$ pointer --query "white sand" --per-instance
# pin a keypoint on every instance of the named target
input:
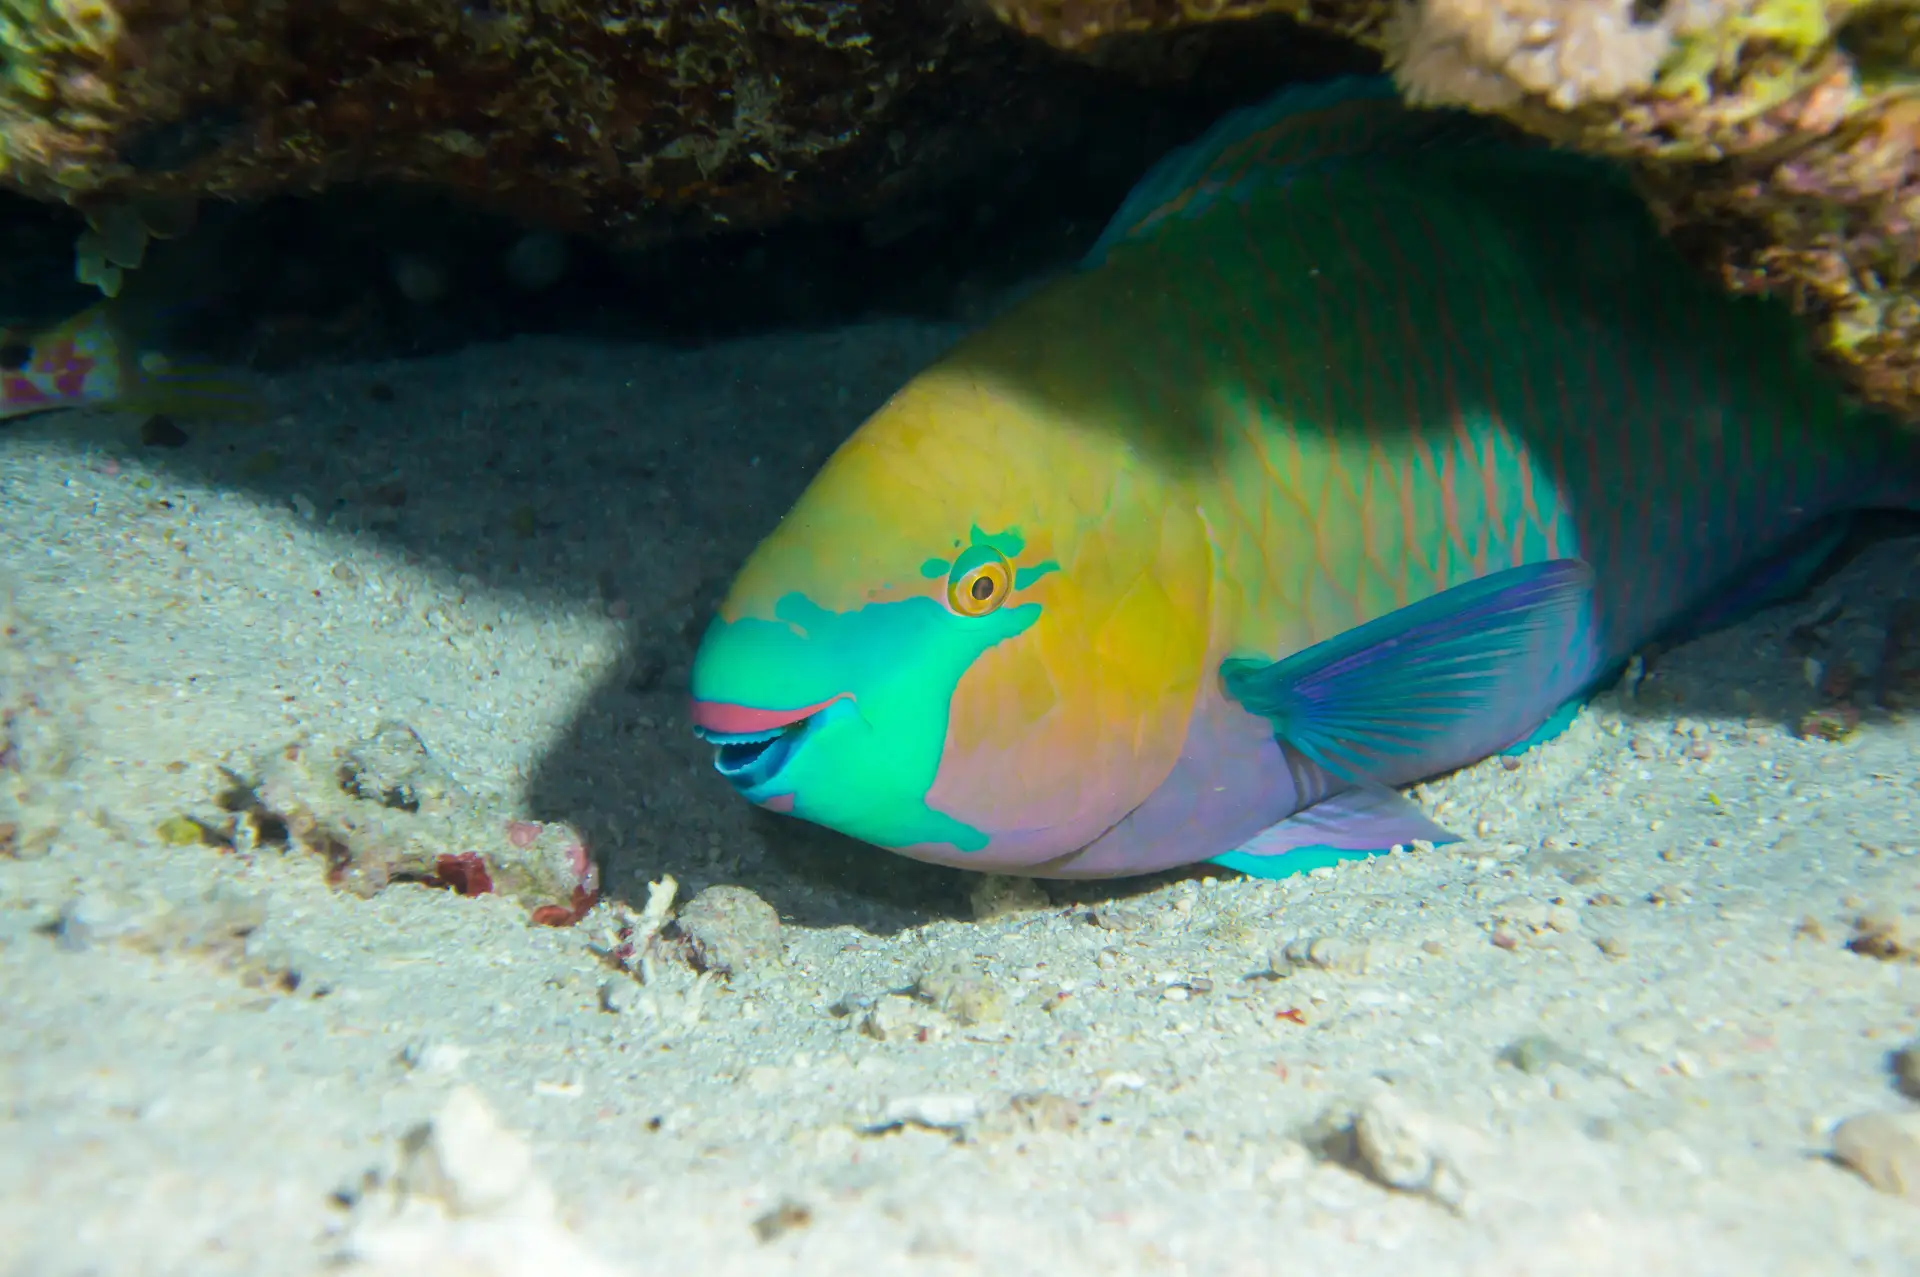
(1668, 931)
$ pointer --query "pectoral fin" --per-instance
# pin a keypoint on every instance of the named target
(1419, 682)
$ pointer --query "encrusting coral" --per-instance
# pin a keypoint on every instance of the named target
(1777, 138)
(639, 120)
(1493, 56)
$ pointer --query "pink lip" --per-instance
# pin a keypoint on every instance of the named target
(738, 720)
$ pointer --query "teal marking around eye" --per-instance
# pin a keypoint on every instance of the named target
(1009, 543)
(974, 558)
(1027, 576)
(867, 764)
(934, 568)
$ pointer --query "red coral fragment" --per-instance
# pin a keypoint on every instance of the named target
(584, 898)
(466, 873)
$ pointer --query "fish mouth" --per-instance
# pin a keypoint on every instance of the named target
(750, 746)
(749, 762)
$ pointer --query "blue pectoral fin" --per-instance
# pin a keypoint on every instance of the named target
(1349, 826)
(1399, 685)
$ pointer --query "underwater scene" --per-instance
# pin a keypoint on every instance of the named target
(1009, 638)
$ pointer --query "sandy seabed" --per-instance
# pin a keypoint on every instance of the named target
(1611, 1033)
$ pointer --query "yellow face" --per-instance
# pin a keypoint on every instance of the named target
(977, 638)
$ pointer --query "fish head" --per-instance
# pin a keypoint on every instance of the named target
(976, 639)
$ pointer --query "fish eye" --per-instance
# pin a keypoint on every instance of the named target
(980, 582)
(15, 355)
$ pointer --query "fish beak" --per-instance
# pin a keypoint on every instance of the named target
(750, 746)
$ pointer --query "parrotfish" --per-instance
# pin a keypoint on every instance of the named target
(1364, 444)
(91, 360)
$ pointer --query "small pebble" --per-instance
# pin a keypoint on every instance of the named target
(617, 997)
(1108, 918)
(1535, 1053)
(962, 990)
(180, 831)
(94, 919)
(1293, 1161)
(1880, 935)
(1043, 1111)
(1669, 893)
(1884, 1150)
(1324, 953)
(898, 1018)
(729, 930)
(467, 1160)
(1906, 1070)
(435, 1059)
(1397, 1144)
(1002, 895)
(935, 1112)
(781, 1220)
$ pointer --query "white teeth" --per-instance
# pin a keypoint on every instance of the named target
(740, 738)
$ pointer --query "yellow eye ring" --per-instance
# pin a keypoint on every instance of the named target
(979, 587)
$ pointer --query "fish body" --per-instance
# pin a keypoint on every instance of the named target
(89, 361)
(1366, 441)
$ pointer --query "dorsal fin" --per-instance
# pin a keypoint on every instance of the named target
(1296, 131)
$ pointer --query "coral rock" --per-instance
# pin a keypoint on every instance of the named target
(383, 810)
(640, 118)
